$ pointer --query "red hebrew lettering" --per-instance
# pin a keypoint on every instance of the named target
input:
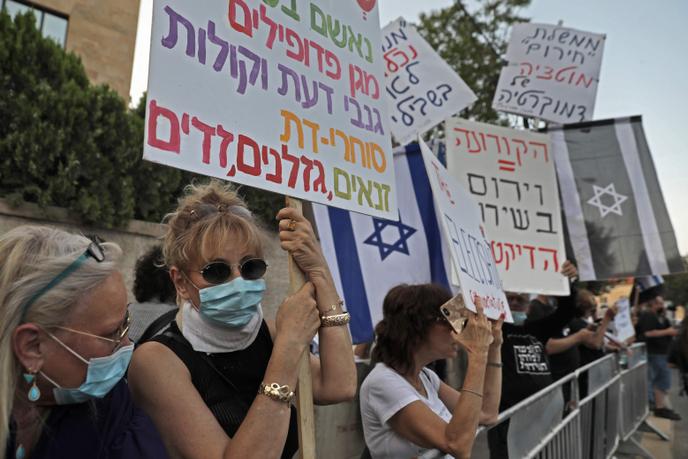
(245, 25)
(275, 177)
(254, 169)
(208, 133)
(443, 185)
(227, 138)
(294, 160)
(154, 111)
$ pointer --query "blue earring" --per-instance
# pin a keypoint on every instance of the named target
(34, 392)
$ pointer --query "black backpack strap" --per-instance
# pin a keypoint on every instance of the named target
(158, 324)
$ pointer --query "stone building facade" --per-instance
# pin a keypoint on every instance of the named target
(102, 33)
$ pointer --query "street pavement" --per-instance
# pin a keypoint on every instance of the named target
(677, 446)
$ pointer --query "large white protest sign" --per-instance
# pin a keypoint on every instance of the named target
(422, 89)
(511, 174)
(623, 326)
(286, 96)
(470, 251)
(552, 73)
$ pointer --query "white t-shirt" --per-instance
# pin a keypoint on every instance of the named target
(383, 393)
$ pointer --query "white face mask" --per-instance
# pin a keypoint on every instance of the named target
(206, 336)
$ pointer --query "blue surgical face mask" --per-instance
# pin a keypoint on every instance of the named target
(232, 304)
(102, 375)
(519, 317)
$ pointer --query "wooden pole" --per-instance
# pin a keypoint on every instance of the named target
(304, 387)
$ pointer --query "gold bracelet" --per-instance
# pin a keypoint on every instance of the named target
(495, 364)
(332, 308)
(277, 392)
(335, 320)
(472, 392)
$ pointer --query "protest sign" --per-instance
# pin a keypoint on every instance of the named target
(623, 326)
(422, 89)
(552, 73)
(284, 95)
(470, 251)
(511, 174)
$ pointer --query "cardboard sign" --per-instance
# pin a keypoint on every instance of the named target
(552, 74)
(283, 95)
(422, 89)
(511, 174)
(623, 326)
(469, 248)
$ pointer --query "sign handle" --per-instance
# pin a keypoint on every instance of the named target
(304, 387)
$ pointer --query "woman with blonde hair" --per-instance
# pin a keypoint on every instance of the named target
(219, 381)
(64, 351)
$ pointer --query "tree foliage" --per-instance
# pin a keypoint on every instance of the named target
(68, 143)
(676, 286)
(473, 45)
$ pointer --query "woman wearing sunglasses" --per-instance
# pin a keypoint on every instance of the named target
(219, 381)
(64, 351)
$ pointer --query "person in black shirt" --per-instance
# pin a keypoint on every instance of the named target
(654, 329)
(585, 313)
(526, 367)
(591, 349)
(218, 381)
(540, 306)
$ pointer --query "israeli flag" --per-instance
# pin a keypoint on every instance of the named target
(647, 282)
(368, 256)
(615, 212)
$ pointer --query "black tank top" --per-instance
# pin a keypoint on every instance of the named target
(228, 382)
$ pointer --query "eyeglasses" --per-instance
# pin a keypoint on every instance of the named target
(217, 272)
(94, 250)
(121, 333)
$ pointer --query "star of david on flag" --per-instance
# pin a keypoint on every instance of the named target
(400, 243)
(600, 200)
(368, 256)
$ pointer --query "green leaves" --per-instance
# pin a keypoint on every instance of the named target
(472, 44)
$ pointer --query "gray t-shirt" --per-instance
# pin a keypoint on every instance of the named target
(383, 393)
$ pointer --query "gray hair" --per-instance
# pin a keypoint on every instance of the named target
(31, 257)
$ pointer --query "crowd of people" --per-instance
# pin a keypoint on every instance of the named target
(211, 377)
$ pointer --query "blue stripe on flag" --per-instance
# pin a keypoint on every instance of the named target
(426, 206)
(351, 277)
(647, 282)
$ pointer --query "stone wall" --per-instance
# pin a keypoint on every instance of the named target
(136, 238)
(103, 34)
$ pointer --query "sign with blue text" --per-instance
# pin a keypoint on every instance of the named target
(468, 244)
(422, 89)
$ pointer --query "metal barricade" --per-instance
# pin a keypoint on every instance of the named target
(537, 425)
(634, 407)
(607, 405)
(599, 407)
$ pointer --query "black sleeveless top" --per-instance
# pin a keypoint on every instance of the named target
(228, 382)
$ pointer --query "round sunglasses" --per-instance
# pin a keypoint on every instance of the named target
(218, 272)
